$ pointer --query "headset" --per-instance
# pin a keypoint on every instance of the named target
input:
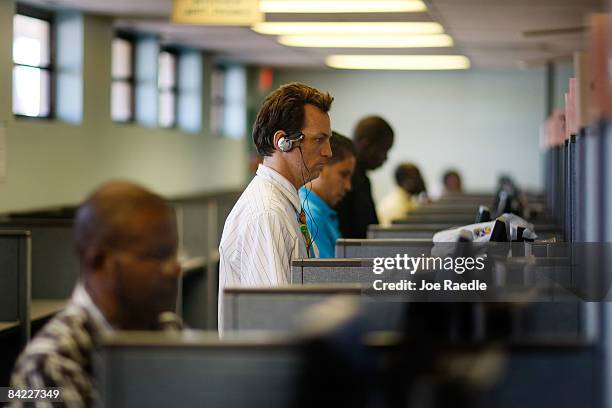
(285, 143)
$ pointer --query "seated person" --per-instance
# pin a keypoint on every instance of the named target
(126, 239)
(327, 190)
(373, 138)
(452, 182)
(409, 193)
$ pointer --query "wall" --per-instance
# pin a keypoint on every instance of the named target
(52, 163)
(483, 122)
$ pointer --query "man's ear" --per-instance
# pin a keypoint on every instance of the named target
(276, 137)
(95, 257)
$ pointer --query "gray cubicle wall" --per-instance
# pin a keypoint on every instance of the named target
(330, 271)
(466, 198)
(15, 275)
(55, 267)
(194, 246)
(277, 308)
(436, 208)
(192, 223)
(408, 231)
(371, 248)
(144, 371)
(440, 218)
(427, 231)
(555, 313)
(543, 222)
(136, 370)
(200, 220)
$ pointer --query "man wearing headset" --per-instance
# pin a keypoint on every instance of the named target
(266, 229)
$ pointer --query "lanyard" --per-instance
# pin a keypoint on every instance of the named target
(306, 234)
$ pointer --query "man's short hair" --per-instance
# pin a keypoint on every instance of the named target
(342, 147)
(103, 218)
(283, 109)
(372, 127)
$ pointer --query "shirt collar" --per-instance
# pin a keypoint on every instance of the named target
(316, 201)
(281, 182)
(81, 298)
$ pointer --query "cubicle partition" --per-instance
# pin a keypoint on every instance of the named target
(278, 308)
(543, 290)
(439, 218)
(405, 231)
(331, 271)
(15, 268)
(440, 208)
(141, 370)
(542, 221)
(15, 281)
(55, 267)
(466, 198)
(427, 231)
(371, 248)
(200, 221)
(144, 370)
(52, 272)
(192, 223)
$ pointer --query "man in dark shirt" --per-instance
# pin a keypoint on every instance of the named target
(373, 138)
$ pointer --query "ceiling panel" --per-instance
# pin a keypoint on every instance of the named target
(489, 32)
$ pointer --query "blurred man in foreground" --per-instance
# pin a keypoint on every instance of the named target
(126, 240)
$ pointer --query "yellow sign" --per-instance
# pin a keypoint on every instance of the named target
(216, 12)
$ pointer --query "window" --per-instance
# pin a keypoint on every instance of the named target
(146, 80)
(217, 100)
(33, 64)
(189, 91)
(166, 84)
(228, 102)
(122, 88)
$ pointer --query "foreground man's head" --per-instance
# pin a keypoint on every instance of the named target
(126, 239)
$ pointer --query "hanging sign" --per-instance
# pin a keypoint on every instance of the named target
(216, 12)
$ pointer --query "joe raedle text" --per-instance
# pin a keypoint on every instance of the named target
(411, 265)
(447, 285)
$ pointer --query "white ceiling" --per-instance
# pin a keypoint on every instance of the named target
(490, 32)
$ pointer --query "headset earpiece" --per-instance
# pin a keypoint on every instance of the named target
(285, 143)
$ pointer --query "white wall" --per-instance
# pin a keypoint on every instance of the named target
(482, 122)
(52, 163)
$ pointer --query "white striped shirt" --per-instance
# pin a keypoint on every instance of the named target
(261, 235)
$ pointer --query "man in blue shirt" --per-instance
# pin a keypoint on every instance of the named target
(319, 196)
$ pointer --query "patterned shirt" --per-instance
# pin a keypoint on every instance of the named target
(261, 235)
(60, 354)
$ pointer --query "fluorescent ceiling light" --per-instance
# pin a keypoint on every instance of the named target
(287, 28)
(397, 62)
(367, 41)
(341, 6)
